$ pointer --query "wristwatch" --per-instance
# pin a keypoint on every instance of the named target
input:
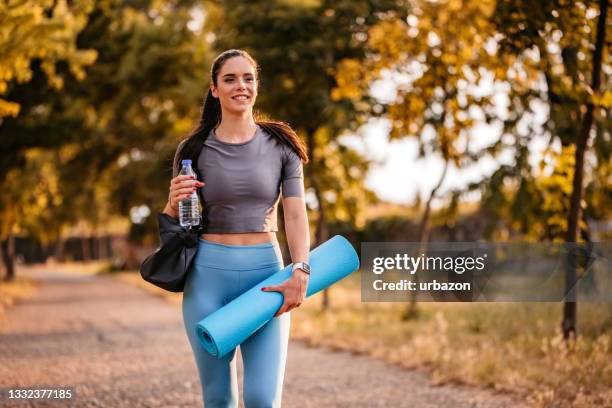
(301, 265)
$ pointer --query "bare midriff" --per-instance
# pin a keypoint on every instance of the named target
(244, 238)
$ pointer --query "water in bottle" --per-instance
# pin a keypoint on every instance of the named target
(189, 208)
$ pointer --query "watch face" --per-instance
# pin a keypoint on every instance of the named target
(302, 265)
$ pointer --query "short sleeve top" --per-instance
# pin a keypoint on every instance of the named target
(244, 182)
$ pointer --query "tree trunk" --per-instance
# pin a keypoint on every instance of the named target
(109, 246)
(321, 236)
(85, 249)
(60, 248)
(132, 260)
(93, 239)
(424, 231)
(101, 243)
(568, 324)
(8, 257)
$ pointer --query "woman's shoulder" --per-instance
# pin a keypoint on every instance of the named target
(267, 137)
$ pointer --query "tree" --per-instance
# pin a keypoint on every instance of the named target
(437, 66)
(570, 46)
(42, 34)
(568, 324)
(537, 53)
(121, 120)
(45, 31)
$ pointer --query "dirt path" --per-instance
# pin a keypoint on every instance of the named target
(119, 346)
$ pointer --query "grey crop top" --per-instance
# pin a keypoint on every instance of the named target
(243, 182)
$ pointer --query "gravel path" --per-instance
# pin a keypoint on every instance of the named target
(119, 346)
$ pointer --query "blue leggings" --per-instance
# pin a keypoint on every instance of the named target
(219, 274)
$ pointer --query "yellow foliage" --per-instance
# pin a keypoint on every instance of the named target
(349, 80)
(442, 54)
(556, 189)
(27, 33)
(8, 108)
(604, 100)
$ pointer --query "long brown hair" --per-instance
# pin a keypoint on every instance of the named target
(211, 117)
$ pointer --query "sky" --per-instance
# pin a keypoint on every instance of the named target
(398, 174)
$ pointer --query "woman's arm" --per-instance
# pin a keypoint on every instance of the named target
(297, 232)
(297, 229)
(170, 211)
(180, 186)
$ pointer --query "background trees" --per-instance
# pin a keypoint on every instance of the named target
(42, 31)
(108, 134)
(547, 60)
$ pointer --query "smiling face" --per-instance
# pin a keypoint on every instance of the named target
(236, 85)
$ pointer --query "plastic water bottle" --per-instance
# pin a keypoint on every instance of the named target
(189, 208)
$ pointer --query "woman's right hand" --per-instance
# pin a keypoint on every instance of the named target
(180, 188)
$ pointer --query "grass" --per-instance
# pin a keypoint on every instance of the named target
(511, 347)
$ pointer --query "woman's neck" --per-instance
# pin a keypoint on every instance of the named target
(236, 128)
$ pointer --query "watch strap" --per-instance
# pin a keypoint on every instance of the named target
(301, 265)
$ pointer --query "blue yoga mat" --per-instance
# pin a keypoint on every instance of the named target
(221, 331)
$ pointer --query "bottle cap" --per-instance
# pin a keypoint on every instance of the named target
(186, 162)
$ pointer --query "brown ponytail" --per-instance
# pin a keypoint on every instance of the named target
(287, 136)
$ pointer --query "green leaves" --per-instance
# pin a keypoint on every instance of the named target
(109, 135)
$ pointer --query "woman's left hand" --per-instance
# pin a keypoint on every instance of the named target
(293, 290)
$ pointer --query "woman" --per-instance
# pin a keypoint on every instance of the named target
(242, 166)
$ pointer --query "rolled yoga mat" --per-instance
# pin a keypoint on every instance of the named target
(223, 330)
